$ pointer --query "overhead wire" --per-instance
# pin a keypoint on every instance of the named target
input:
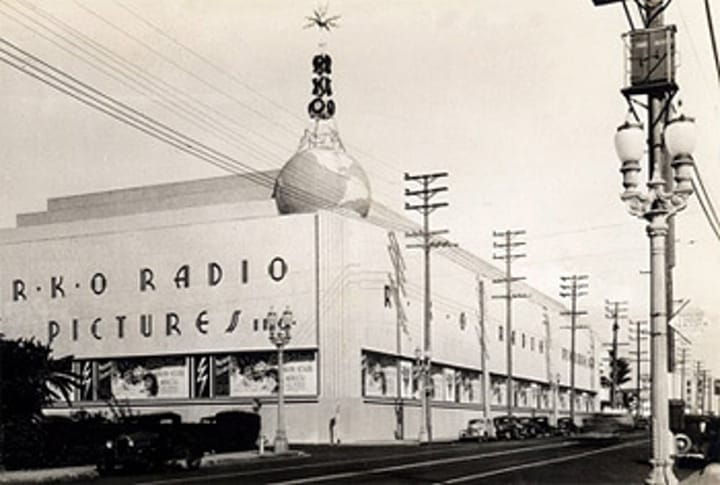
(713, 226)
(173, 63)
(175, 106)
(392, 168)
(178, 109)
(159, 86)
(715, 220)
(140, 121)
(713, 41)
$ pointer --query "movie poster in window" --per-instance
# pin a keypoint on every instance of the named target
(407, 390)
(467, 388)
(253, 374)
(380, 373)
(150, 378)
(437, 383)
(300, 373)
(449, 385)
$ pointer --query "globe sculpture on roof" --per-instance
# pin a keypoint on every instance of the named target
(321, 175)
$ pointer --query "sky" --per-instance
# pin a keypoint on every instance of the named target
(518, 101)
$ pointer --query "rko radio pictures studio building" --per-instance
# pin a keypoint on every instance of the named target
(161, 292)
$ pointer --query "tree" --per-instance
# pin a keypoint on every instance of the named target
(619, 373)
(32, 378)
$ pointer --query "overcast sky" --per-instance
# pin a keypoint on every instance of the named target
(517, 100)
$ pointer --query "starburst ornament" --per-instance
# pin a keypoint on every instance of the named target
(321, 20)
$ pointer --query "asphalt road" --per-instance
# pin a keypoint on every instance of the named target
(543, 461)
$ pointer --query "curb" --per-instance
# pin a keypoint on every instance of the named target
(89, 472)
(227, 459)
(50, 475)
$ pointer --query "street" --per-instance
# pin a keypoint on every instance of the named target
(551, 461)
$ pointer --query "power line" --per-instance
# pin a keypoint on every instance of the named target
(183, 111)
(392, 169)
(175, 64)
(167, 95)
(713, 42)
(709, 218)
(61, 81)
(171, 61)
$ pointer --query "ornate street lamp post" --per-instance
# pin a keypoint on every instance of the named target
(279, 335)
(656, 205)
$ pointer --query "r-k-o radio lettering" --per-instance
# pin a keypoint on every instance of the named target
(148, 280)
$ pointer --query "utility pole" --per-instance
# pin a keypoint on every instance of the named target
(639, 359)
(699, 391)
(484, 359)
(426, 207)
(573, 287)
(614, 310)
(508, 245)
(683, 361)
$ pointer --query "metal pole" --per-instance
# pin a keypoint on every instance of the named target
(662, 462)
(281, 441)
(637, 371)
(573, 318)
(613, 368)
(682, 376)
(399, 411)
(484, 361)
(508, 323)
(428, 340)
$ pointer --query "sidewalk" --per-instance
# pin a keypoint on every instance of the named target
(89, 472)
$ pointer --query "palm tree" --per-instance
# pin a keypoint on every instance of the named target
(32, 378)
(619, 374)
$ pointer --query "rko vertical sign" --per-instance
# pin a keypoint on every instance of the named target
(322, 107)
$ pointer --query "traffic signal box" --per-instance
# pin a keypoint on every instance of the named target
(650, 61)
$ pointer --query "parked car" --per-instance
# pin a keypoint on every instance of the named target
(699, 439)
(529, 429)
(542, 425)
(508, 427)
(476, 430)
(566, 427)
(148, 441)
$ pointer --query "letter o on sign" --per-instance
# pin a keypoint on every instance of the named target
(98, 283)
(277, 269)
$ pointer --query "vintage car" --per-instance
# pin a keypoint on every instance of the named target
(542, 426)
(566, 427)
(699, 439)
(148, 441)
(476, 430)
(508, 427)
(607, 425)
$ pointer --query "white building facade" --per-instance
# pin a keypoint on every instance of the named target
(160, 294)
